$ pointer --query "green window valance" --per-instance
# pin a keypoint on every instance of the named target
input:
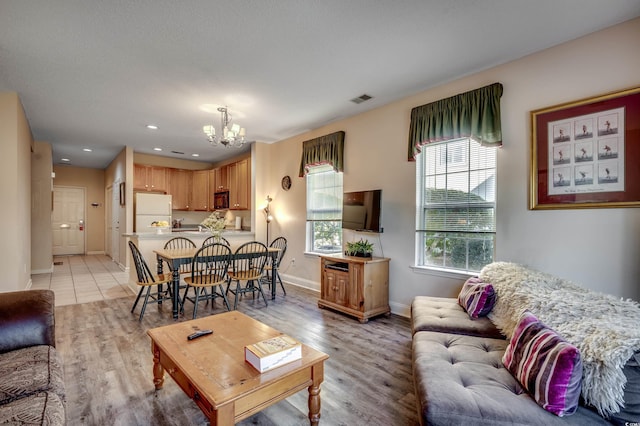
(474, 114)
(328, 149)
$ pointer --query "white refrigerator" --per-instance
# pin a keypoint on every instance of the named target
(151, 208)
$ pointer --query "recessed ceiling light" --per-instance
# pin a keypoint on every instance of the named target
(152, 127)
(157, 149)
(195, 155)
(87, 149)
(65, 160)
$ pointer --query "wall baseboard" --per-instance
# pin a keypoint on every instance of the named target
(90, 253)
(42, 271)
(400, 309)
(396, 308)
(301, 282)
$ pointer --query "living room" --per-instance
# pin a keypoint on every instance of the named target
(376, 141)
(603, 259)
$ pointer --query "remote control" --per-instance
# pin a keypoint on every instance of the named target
(199, 333)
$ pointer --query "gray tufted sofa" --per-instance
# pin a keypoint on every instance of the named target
(32, 388)
(459, 376)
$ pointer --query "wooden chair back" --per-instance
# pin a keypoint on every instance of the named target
(181, 243)
(216, 239)
(281, 244)
(249, 261)
(142, 269)
(210, 265)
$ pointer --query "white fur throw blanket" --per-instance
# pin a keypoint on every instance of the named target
(605, 329)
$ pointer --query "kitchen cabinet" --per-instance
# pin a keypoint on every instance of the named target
(149, 178)
(220, 179)
(357, 286)
(199, 190)
(212, 188)
(180, 184)
(239, 178)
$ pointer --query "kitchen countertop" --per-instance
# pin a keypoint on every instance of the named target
(167, 233)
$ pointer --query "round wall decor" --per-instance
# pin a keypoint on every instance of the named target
(286, 183)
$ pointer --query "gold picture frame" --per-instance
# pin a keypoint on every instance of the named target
(585, 154)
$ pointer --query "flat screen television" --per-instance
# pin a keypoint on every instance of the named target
(361, 210)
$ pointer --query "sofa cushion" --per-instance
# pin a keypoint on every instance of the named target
(30, 370)
(446, 315)
(461, 380)
(630, 413)
(547, 366)
(27, 319)
(42, 408)
(477, 297)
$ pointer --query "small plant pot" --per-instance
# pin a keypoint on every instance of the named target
(358, 254)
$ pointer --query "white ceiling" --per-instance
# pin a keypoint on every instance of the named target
(93, 74)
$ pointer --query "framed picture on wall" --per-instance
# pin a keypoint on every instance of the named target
(585, 154)
(122, 194)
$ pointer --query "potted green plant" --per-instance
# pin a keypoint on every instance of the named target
(361, 248)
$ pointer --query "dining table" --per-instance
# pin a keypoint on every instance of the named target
(183, 256)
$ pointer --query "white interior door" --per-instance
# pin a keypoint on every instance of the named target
(108, 220)
(115, 225)
(68, 220)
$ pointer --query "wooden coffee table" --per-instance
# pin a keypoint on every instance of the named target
(211, 369)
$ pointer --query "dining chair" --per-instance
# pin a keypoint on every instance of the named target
(216, 239)
(181, 243)
(147, 280)
(208, 271)
(247, 265)
(268, 279)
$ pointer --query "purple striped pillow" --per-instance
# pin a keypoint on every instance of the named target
(547, 366)
(477, 297)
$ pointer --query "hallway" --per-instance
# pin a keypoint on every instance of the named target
(83, 278)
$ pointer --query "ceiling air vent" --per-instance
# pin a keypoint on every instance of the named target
(177, 152)
(360, 99)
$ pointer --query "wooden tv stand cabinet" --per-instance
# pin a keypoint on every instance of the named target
(357, 286)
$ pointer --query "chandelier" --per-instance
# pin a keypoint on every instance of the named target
(231, 136)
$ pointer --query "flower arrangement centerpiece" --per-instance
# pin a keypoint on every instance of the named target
(214, 223)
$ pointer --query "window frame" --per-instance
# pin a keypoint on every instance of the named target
(448, 233)
(310, 237)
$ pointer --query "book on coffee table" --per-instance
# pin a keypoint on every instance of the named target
(272, 353)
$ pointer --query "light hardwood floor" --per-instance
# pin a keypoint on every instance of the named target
(108, 364)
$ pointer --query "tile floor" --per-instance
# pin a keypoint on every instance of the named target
(81, 279)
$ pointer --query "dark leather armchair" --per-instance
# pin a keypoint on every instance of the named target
(26, 319)
(32, 385)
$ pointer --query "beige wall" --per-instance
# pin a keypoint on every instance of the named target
(603, 259)
(15, 175)
(41, 205)
(93, 181)
(120, 170)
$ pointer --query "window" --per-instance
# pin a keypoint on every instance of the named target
(456, 221)
(324, 210)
